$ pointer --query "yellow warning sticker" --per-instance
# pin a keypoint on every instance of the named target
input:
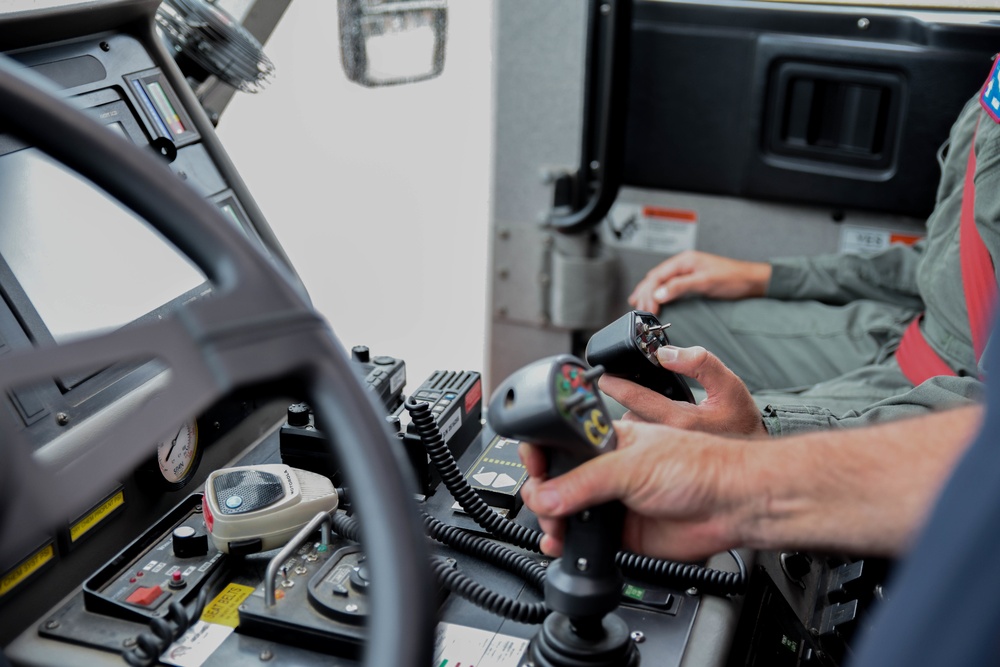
(99, 514)
(224, 608)
(26, 568)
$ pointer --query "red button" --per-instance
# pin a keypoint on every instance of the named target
(145, 595)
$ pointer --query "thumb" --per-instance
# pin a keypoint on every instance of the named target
(701, 365)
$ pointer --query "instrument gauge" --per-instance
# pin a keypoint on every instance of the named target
(177, 457)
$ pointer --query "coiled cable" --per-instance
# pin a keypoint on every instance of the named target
(457, 582)
(461, 490)
(717, 582)
(479, 595)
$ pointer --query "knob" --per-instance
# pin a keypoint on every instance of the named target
(395, 424)
(360, 578)
(360, 353)
(188, 543)
(298, 415)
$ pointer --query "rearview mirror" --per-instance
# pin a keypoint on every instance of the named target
(388, 42)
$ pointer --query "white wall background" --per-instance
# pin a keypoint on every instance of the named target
(380, 197)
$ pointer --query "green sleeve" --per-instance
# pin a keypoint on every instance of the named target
(888, 275)
(938, 393)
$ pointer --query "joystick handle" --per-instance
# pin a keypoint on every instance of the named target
(555, 405)
(627, 348)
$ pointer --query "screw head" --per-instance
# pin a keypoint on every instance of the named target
(692, 591)
(582, 564)
(266, 654)
(351, 608)
(863, 23)
(638, 637)
(62, 418)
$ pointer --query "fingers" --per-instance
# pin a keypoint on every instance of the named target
(588, 484)
(701, 365)
(692, 272)
(643, 404)
(658, 286)
(729, 406)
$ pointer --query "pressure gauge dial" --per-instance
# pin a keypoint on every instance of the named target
(177, 456)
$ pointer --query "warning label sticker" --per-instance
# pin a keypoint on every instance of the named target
(224, 608)
(871, 239)
(657, 228)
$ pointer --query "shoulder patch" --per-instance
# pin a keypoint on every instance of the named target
(989, 98)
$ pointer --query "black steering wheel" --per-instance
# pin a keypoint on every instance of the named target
(256, 330)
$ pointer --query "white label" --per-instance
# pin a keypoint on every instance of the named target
(863, 239)
(870, 239)
(397, 381)
(196, 645)
(667, 231)
(449, 429)
(456, 645)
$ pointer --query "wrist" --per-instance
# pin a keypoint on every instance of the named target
(759, 274)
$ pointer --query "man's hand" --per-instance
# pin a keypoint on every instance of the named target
(728, 408)
(694, 272)
(690, 495)
(682, 490)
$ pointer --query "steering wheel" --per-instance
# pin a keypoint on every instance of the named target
(256, 330)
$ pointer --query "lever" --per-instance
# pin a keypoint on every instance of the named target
(627, 348)
(554, 404)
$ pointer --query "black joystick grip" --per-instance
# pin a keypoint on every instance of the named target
(555, 405)
(627, 348)
(554, 402)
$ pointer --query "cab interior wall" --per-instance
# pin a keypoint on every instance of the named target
(711, 131)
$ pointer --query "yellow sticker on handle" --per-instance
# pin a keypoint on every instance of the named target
(224, 609)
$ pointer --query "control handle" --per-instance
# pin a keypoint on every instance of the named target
(554, 404)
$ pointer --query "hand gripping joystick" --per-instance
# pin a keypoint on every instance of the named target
(627, 348)
(555, 405)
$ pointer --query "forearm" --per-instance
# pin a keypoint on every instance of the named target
(886, 276)
(864, 491)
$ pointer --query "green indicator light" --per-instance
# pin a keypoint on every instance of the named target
(633, 592)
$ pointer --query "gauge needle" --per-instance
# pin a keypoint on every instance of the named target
(173, 443)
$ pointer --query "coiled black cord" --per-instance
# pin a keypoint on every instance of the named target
(479, 547)
(479, 595)
(706, 580)
(165, 630)
(461, 490)
(460, 584)
(717, 582)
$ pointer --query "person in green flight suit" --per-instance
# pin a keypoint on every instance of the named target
(815, 339)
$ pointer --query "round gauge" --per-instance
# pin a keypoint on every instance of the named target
(177, 457)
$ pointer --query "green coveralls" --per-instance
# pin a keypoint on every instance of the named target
(819, 350)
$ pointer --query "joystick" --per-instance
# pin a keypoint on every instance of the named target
(627, 349)
(555, 405)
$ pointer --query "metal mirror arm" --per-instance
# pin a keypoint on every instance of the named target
(256, 330)
(584, 198)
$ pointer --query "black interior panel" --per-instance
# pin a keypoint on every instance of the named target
(794, 104)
